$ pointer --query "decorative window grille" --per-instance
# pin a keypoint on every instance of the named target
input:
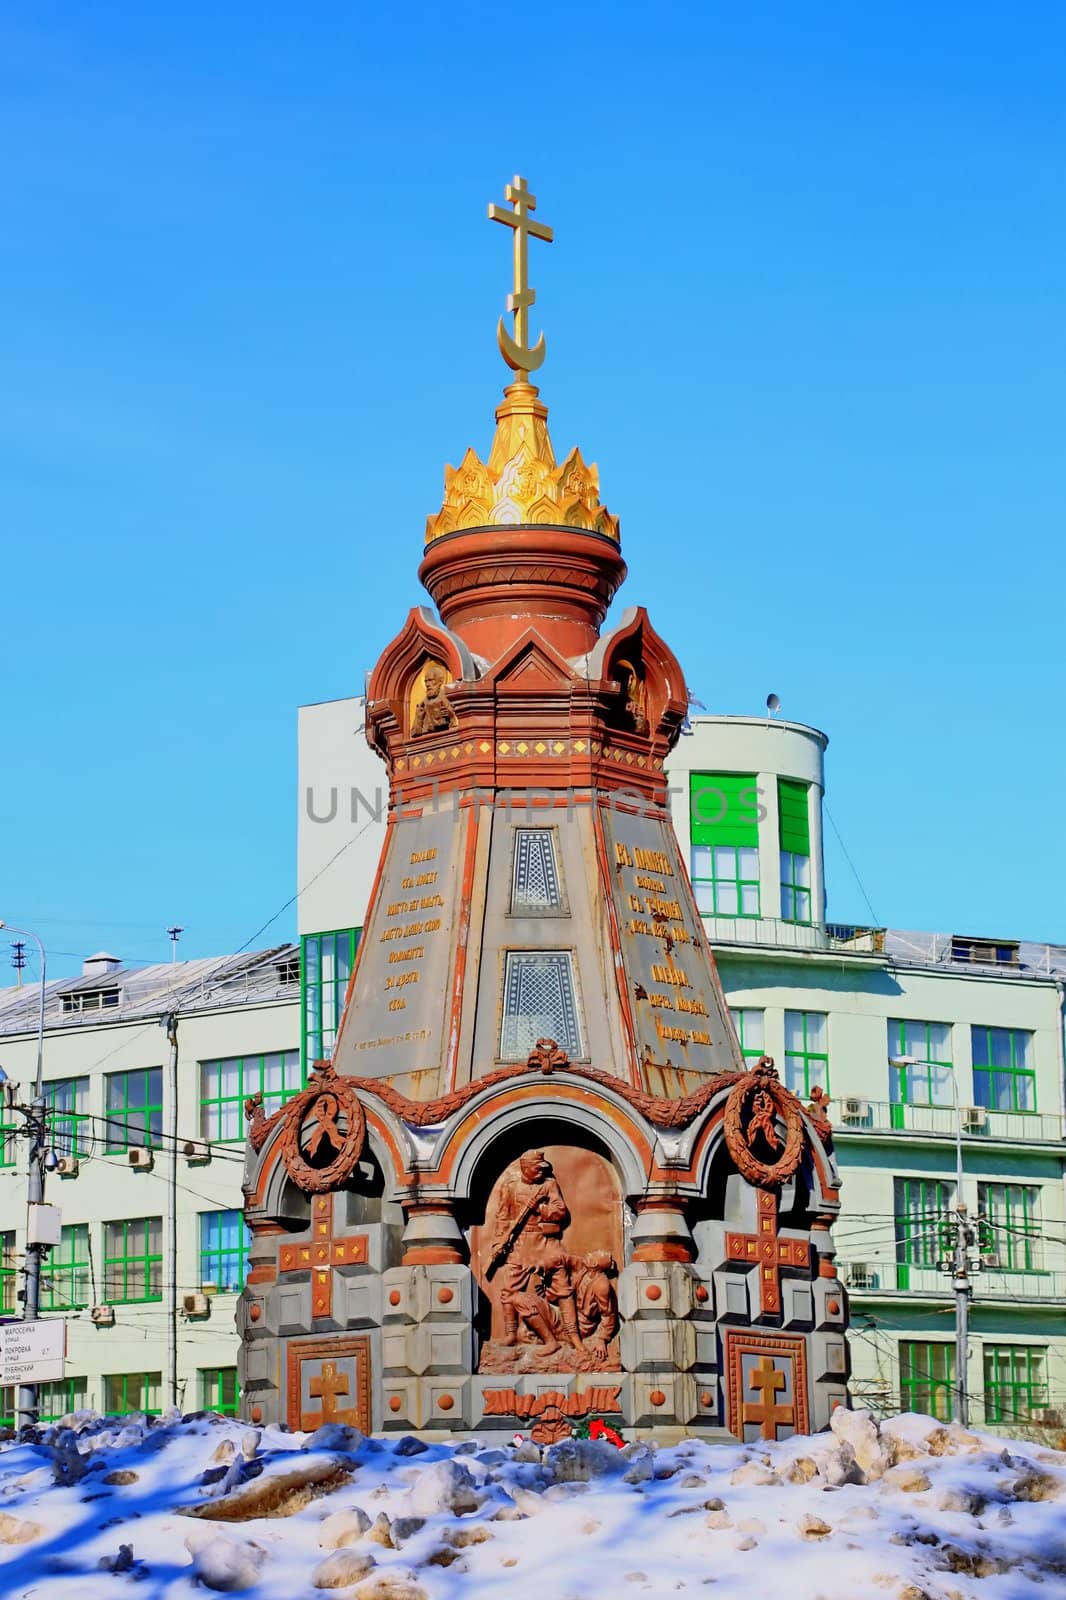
(535, 886)
(539, 1002)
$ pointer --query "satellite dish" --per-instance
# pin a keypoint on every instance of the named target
(773, 704)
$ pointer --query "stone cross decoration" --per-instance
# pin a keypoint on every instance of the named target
(769, 1251)
(767, 1379)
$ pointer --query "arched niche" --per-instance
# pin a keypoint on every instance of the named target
(590, 1182)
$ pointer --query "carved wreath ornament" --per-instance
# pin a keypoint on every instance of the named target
(312, 1121)
(757, 1102)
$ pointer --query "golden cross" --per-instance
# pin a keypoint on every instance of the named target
(517, 352)
(327, 1387)
(767, 1379)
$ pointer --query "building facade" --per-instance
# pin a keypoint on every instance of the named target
(834, 1005)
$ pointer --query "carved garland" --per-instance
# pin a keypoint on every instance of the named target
(547, 1057)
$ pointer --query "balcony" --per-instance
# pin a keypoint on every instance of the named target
(768, 931)
(877, 1278)
(854, 1115)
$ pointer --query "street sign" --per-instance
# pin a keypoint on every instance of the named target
(33, 1352)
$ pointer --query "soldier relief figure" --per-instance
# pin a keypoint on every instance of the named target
(555, 1311)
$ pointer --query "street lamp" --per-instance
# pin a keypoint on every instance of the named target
(27, 1395)
(960, 1264)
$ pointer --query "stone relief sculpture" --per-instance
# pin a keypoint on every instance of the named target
(434, 713)
(555, 1311)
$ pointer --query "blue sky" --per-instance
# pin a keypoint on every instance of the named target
(804, 308)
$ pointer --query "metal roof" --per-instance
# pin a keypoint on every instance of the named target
(205, 985)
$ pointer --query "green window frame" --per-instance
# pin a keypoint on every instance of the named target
(1003, 1078)
(806, 1051)
(8, 1144)
(927, 1377)
(9, 1277)
(724, 837)
(60, 1397)
(219, 1391)
(921, 1207)
(1009, 1225)
(134, 1104)
(133, 1260)
(750, 1023)
(66, 1272)
(127, 1392)
(66, 1102)
(928, 1081)
(1015, 1381)
(224, 1242)
(225, 1085)
(326, 961)
(794, 838)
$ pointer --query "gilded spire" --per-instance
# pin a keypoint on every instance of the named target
(521, 483)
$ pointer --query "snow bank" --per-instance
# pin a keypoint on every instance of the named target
(906, 1509)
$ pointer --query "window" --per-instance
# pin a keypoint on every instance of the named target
(225, 1085)
(749, 1026)
(538, 1003)
(134, 1108)
(8, 1273)
(219, 1391)
(794, 834)
(89, 999)
(68, 1102)
(325, 964)
(922, 1230)
(927, 1082)
(1003, 1076)
(535, 881)
(1009, 1225)
(60, 1398)
(133, 1260)
(8, 1144)
(132, 1391)
(1015, 1381)
(927, 1378)
(66, 1274)
(224, 1239)
(806, 1051)
(984, 952)
(724, 828)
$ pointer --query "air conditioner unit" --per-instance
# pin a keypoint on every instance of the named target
(102, 1316)
(140, 1158)
(991, 1258)
(196, 1152)
(861, 1275)
(209, 1288)
(974, 1118)
(195, 1305)
(1050, 1416)
(68, 1167)
(854, 1110)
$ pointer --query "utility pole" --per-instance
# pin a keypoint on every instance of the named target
(27, 1394)
(957, 1264)
(18, 961)
(170, 1245)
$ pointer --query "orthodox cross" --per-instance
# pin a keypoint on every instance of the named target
(770, 1252)
(517, 351)
(328, 1386)
(766, 1380)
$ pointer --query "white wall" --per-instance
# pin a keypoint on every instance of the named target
(342, 804)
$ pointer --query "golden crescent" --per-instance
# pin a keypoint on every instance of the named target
(514, 355)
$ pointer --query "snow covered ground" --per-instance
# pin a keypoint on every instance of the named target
(901, 1510)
